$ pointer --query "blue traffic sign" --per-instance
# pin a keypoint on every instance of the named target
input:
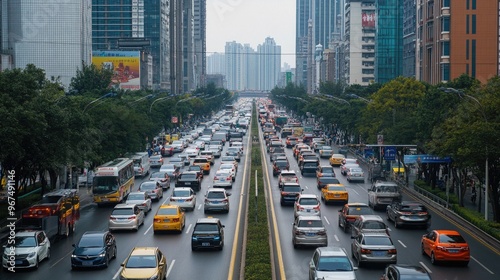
(390, 153)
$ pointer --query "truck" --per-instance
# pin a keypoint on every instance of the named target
(280, 120)
(383, 193)
(56, 214)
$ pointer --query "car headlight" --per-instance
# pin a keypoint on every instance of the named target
(102, 255)
(73, 256)
(31, 255)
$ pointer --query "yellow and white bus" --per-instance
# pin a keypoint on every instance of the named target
(113, 181)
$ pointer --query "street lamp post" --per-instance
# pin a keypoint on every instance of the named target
(100, 98)
(159, 99)
(338, 99)
(359, 97)
(486, 171)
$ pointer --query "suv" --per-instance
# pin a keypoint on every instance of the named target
(331, 263)
(189, 179)
(287, 176)
(374, 247)
(369, 223)
(31, 247)
(307, 204)
(207, 233)
(383, 193)
(216, 200)
(289, 193)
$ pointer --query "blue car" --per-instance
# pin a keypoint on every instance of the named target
(95, 249)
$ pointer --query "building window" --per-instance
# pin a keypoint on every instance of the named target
(473, 24)
(446, 48)
(467, 49)
(473, 60)
(473, 4)
(445, 24)
(467, 4)
(446, 3)
(467, 24)
(445, 72)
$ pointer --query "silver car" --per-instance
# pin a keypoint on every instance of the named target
(141, 199)
(373, 247)
(331, 263)
(126, 216)
(223, 178)
(307, 204)
(185, 198)
(155, 160)
(216, 200)
(309, 230)
(153, 189)
(355, 174)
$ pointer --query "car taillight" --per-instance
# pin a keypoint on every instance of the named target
(229, 178)
(157, 220)
(189, 199)
(133, 217)
(466, 248)
(172, 199)
(366, 251)
(144, 204)
(316, 207)
(225, 200)
(175, 220)
(299, 232)
(392, 251)
(300, 208)
(216, 178)
(323, 232)
(112, 218)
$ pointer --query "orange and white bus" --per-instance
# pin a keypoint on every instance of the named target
(113, 181)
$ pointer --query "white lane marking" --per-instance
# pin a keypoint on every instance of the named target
(118, 272)
(336, 238)
(491, 272)
(401, 242)
(189, 228)
(355, 191)
(307, 187)
(326, 219)
(199, 206)
(146, 232)
(170, 267)
(389, 229)
(58, 261)
(425, 267)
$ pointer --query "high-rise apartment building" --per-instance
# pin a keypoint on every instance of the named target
(52, 35)
(409, 37)
(216, 64)
(199, 42)
(303, 15)
(269, 64)
(457, 37)
(188, 55)
(234, 75)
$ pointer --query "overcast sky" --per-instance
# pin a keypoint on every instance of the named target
(250, 22)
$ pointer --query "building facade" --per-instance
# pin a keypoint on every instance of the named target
(269, 64)
(302, 17)
(200, 42)
(409, 38)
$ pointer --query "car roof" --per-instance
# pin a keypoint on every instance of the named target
(124, 205)
(169, 205)
(409, 269)
(141, 251)
(371, 218)
(189, 172)
(94, 233)
(357, 204)
(331, 251)
(207, 220)
(27, 233)
(374, 233)
(447, 231)
(181, 189)
(308, 195)
(305, 217)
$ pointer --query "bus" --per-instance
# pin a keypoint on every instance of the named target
(113, 181)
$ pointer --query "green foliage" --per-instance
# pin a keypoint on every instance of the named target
(91, 79)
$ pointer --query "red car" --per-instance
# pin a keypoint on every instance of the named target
(167, 151)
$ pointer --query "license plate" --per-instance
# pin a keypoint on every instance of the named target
(104, 199)
(187, 183)
(215, 202)
(19, 262)
(453, 250)
(205, 244)
(378, 253)
(337, 195)
(308, 210)
(166, 220)
(310, 234)
(222, 180)
(87, 263)
(180, 200)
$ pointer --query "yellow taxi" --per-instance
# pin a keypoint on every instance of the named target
(144, 263)
(169, 217)
(336, 159)
(335, 193)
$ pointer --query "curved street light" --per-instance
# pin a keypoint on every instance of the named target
(109, 94)
(352, 95)
(461, 93)
(338, 99)
(159, 99)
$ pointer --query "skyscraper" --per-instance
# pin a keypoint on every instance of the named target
(409, 37)
(269, 64)
(303, 15)
(200, 39)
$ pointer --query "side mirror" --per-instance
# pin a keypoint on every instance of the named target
(228, 194)
(122, 264)
(74, 245)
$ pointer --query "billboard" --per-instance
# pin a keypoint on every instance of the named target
(125, 66)
(368, 20)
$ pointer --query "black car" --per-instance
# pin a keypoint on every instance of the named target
(309, 168)
(323, 181)
(408, 213)
(197, 169)
(276, 150)
(95, 249)
(189, 179)
(280, 165)
(289, 193)
(208, 233)
(399, 272)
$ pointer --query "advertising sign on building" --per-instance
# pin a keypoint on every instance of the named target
(175, 120)
(125, 66)
(368, 20)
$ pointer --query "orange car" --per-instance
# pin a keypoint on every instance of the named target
(445, 245)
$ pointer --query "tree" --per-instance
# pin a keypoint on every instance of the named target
(91, 79)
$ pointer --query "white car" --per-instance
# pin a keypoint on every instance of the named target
(31, 247)
(192, 152)
(200, 144)
(185, 198)
(223, 178)
(229, 159)
(141, 199)
(307, 204)
(229, 167)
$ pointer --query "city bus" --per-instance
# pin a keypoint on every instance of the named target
(113, 181)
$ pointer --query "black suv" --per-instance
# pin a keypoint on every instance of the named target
(189, 179)
(208, 233)
(289, 193)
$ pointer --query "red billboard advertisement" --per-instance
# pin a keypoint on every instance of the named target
(175, 120)
(368, 20)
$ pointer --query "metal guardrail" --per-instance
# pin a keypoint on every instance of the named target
(432, 197)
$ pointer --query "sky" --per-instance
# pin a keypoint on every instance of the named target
(250, 22)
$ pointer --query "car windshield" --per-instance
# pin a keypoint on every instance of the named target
(413, 208)
(326, 148)
(360, 210)
(181, 193)
(167, 211)
(168, 166)
(310, 223)
(148, 186)
(188, 176)
(158, 175)
(377, 240)
(141, 262)
(281, 163)
(226, 166)
(451, 238)
(327, 170)
(216, 195)
(310, 165)
(194, 168)
(135, 196)
(374, 225)
(91, 241)
(291, 189)
(25, 241)
(123, 212)
(336, 188)
(334, 264)
(356, 170)
(206, 227)
(387, 189)
(308, 201)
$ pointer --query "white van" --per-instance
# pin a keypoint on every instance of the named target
(141, 164)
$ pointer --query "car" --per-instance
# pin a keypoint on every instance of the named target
(408, 213)
(355, 174)
(287, 177)
(309, 168)
(402, 272)
(344, 150)
(216, 199)
(185, 198)
(162, 178)
(208, 233)
(167, 151)
(204, 163)
(200, 144)
(229, 159)
(278, 156)
(233, 153)
(30, 248)
(310, 231)
(373, 247)
(209, 155)
(216, 151)
(336, 159)
(289, 193)
(317, 144)
(155, 161)
(383, 193)
(141, 164)
(280, 165)
(169, 217)
(325, 152)
(325, 171)
(197, 169)
(144, 263)
(350, 212)
(178, 161)
(307, 157)
(141, 199)
(291, 141)
(178, 146)
(126, 216)
(331, 263)
(171, 169)
(323, 181)
(445, 245)
(223, 178)
(307, 204)
(345, 168)
(189, 179)
(153, 189)
(185, 160)
(94, 249)
(229, 167)
(335, 193)
(349, 161)
(369, 223)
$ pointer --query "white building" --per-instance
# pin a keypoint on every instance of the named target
(269, 64)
